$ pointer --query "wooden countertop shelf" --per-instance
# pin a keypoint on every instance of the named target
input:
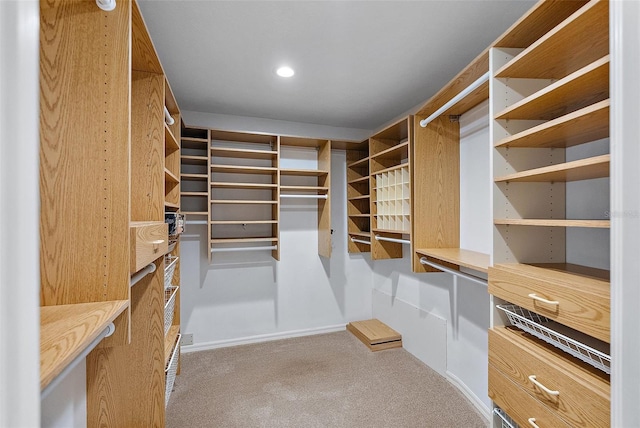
(243, 240)
(193, 160)
(170, 342)
(243, 153)
(232, 185)
(67, 330)
(397, 151)
(583, 169)
(236, 169)
(195, 177)
(458, 256)
(303, 172)
(584, 87)
(170, 142)
(602, 224)
(580, 39)
(170, 177)
(581, 126)
(242, 201)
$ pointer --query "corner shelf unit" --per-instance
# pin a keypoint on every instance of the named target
(358, 199)
(194, 173)
(551, 165)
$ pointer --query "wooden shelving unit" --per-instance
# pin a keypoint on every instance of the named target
(550, 100)
(457, 257)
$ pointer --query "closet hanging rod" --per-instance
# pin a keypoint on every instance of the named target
(197, 222)
(150, 268)
(233, 249)
(453, 101)
(424, 261)
(360, 241)
(167, 117)
(399, 241)
(108, 331)
(304, 196)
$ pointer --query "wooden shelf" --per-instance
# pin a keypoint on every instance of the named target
(235, 169)
(170, 177)
(359, 180)
(397, 232)
(357, 198)
(195, 212)
(603, 224)
(583, 169)
(579, 40)
(171, 205)
(242, 201)
(582, 88)
(242, 240)
(243, 222)
(194, 140)
(195, 177)
(205, 194)
(458, 256)
(230, 185)
(319, 189)
(170, 342)
(392, 168)
(170, 143)
(66, 330)
(362, 234)
(360, 163)
(243, 153)
(588, 124)
(303, 172)
(565, 273)
(397, 151)
(194, 160)
(195, 143)
(360, 215)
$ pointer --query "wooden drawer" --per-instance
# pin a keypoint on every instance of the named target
(584, 392)
(149, 240)
(583, 301)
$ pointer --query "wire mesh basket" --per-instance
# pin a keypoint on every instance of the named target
(171, 371)
(170, 263)
(169, 306)
(532, 323)
(506, 421)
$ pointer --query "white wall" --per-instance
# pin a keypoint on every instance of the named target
(66, 405)
(245, 297)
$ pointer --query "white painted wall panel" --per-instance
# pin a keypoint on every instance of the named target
(66, 405)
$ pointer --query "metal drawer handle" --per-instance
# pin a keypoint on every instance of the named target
(532, 422)
(540, 299)
(532, 378)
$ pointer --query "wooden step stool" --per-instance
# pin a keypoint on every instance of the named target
(375, 334)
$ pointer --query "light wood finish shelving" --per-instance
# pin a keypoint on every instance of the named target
(359, 180)
(194, 160)
(195, 177)
(551, 125)
(170, 342)
(243, 153)
(242, 201)
(239, 185)
(458, 257)
(318, 189)
(230, 169)
(243, 240)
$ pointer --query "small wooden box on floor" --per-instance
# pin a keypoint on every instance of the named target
(375, 334)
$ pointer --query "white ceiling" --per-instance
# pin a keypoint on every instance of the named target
(358, 63)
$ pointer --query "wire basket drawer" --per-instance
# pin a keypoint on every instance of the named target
(169, 306)
(505, 420)
(537, 325)
(170, 263)
(171, 371)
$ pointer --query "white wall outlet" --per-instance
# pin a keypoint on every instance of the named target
(187, 339)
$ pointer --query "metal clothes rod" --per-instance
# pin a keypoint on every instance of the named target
(197, 222)
(150, 268)
(167, 117)
(361, 241)
(424, 261)
(233, 249)
(453, 101)
(106, 5)
(304, 196)
(399, 241)
(108, 331)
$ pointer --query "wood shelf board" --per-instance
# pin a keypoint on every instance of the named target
(361, 234)
(301, 142)
(195, 213)
(171, 205)
(398, 131)
(392, 152)
(219, 222)
(194, 160)
(170, 342)
(458, 256)
(580, 39)
(581, 126)
(375, 334)
(359, 180)
(319, 189)
(360, 163)
(396, 232)
(584, 87)
(205, 194)
(242, 201)
(243, 153)
(143, 54)
(359, 215)
(195, 140)
(170, 142)
(583, 169)
(241, 137)
(234, 185)
(236, 169)
(170, 99)
(303, 172)
(242, 240)
(590, 279)
(359, 198)
(391, 168)
(194, 177)
(603, 224)
(66, 330)
(170, 177)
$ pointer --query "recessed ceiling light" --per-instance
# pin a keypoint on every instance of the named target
(285, 71)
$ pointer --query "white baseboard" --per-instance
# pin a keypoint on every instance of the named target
(477, 403)
(205, 346)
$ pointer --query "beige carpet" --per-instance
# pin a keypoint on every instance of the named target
(329, 380)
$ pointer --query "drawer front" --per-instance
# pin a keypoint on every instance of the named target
(518, 404)
(148, 242)
(583, 398)
(580, 308)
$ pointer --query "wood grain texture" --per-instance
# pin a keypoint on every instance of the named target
(579, 40)
(122, 391)
(603, 224)
(143, 53)
(67, 330)
(243, 153)
(584, 302)
(84, 152)
(435, 208)
(149, 240)
(582, 169)
(590, 123)
(223, 184)
(240, 169)
(584, 399)
(242, 137)
(243, 240)
(518, 404)
(195, 177)
(324, 205)
(375, 334)
(458, 256)
(303, 172)
(193, 160)
(582, 88)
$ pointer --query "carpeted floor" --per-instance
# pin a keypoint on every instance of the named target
(329, 380)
